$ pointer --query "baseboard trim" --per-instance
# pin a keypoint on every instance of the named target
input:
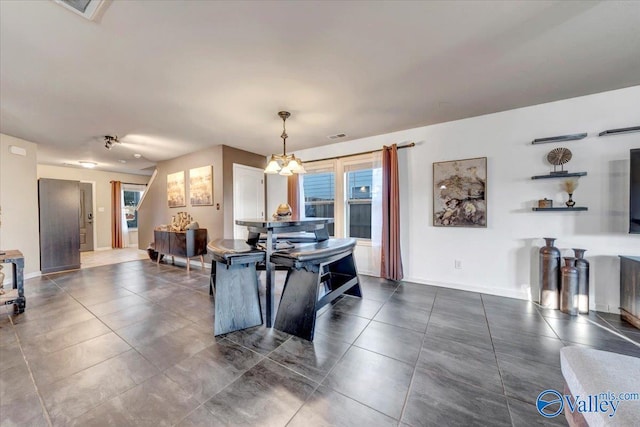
(522, 294)
(104, 248)
(9, 281)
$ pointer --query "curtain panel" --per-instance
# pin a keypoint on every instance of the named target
(117, 238)
(391, 259)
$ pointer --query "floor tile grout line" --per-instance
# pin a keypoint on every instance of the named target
(495, 355)
(415, 367)
(33, 381)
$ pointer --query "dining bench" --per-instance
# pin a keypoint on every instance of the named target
(234, 284)
(329, 264)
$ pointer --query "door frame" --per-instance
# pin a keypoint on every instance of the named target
(95, 217)
(237, 166)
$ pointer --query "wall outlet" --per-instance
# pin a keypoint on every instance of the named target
(457, 264)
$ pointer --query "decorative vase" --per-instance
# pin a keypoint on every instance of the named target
(583, 281)
(570, 203)
(549, 274)
(569, 293)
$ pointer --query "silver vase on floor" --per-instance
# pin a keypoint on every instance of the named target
(583, 281)
(569, 285)
(549, 257)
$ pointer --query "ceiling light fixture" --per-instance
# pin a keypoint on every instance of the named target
(109, 141)
(88, 165)
(284, 164)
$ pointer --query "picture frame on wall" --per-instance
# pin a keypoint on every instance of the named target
(176, 190)
(460, 193)
(201, 186)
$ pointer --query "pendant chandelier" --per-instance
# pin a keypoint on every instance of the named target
(284, 164)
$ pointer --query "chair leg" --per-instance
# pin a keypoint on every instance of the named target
(237, 302)
(297, 310)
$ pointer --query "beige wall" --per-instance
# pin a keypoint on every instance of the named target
(217, 219)
(102, 191)
(155, 211)
(19, 228)
(230, 156)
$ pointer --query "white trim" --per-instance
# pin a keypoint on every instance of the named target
(522, 294)
(104, 248)
(148, 186)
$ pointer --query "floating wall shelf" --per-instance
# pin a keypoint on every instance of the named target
(577, 208)
(564, 175)
(619, 131)
(561, 138)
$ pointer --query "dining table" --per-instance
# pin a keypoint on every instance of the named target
(271, 229)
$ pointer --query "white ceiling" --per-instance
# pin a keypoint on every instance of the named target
(172, 77)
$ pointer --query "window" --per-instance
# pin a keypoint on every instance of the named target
(319, 195)
(358, 206)
(341, 189)
(131, 199)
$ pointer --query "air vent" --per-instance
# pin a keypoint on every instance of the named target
(337, 136)
(86, 8)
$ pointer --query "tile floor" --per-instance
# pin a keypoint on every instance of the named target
(132, 344)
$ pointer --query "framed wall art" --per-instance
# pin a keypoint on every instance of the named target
(175, 190)
(201, 186)
(459, 193)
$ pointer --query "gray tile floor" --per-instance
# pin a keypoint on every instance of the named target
(132, 344)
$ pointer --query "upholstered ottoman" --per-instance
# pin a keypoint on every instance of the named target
(597, 378)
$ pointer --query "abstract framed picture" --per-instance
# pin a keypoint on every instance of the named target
(460, 193)
(201, 186)
(175, 190)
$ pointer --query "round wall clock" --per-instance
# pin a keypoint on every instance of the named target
(559, 156)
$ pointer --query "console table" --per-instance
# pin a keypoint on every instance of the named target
(630, 289)
(15, 295)
(257, 226)
(186, 244)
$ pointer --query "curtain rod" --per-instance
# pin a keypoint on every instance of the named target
(135, 183)
(409, 145)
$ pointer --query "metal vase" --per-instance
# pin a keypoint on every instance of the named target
(569, 283)
(583, 281)
(549, 274)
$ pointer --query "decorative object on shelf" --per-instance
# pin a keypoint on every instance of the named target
(619, 131)
(283, 212)
(181, 221)
(561, 138)
(193, 225)
(175, 190)
(570, 185)
(558, 157)
(201, 186)
(569, 287)
(549, 257)
(545, 203)
(284, 164)
(583, 280)
(459, 193)
(1, 280)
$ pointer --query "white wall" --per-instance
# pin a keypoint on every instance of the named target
(19, 203)
(502, 259)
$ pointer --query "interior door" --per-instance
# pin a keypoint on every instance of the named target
(248, 196)
(86, 216)
(59, 202)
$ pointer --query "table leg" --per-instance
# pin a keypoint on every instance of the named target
(270, 278)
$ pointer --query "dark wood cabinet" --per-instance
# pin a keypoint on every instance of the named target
(630, 289)
(186, 244)
(59, 205)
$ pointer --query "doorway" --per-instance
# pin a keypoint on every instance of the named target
(86, 216)
(248, 196)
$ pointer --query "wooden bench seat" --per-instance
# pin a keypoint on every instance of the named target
(329, 263)
(234, 278)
